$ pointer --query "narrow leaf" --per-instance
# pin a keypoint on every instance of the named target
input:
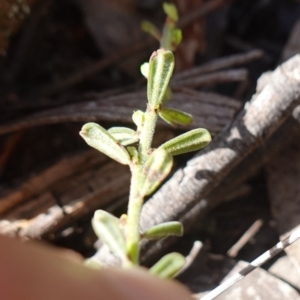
(93, 263)
(155, 170)
(138, 118)
(100, 139)
(175, 117)
(133, 153)
(176, 37)
(107, 228)
(187, 142)
(151, 29)
(168, 266)
(164, 230)
(125, 136)
(145, 69)
(171, 11)
(167, 95)
(161, 67)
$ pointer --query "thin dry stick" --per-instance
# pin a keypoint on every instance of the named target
(233, 251)
(197, 246)
(213, 78)
(253, 265)
(220, 63)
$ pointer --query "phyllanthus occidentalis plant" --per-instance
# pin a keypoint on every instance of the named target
(148, 166)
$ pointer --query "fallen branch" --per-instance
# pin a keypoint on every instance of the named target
(213, 110)
(184, 195)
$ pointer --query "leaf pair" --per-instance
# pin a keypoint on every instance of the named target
(159, 71)
(110, 142)
(107, 228)
(161, 66)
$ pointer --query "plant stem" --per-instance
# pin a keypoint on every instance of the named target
(147, 133)
(133, 220)
(135, 198)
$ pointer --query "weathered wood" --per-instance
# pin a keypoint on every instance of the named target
(283, 174)
(219, 64)
(213, 78)
(44, 180)
(209, 109)
(77, 196)
(67, 191)
(189, 192)
(234, 155)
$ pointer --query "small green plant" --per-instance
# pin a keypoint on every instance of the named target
(148, 166)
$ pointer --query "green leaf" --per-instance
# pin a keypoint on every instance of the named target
(125, 136)
(156, 169)
(161, 67)
(171, 11)
(107, 228)
(93, 263)
(187, 142)
(175, 116)
(164, 230)
(176, 37)
(151, 29)
(168, 266)
(133, 153)
(145, 69)
(138, 118)
(167, 95)
(99, 138)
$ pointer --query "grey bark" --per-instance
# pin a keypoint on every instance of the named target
(184, 196)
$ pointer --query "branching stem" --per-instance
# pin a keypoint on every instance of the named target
(135, 198)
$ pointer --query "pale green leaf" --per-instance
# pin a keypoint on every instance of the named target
(176, 37)
(125, 136)
(93, 263)
(145, 69)
(100, 139)
(151, 29)
(133, 153)
(161, 67)
(138, 118)
(168, 266)
(190, 141)
(107, 228)
(167, 95)
(164, 230)
(171, 11)
(175, 117)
